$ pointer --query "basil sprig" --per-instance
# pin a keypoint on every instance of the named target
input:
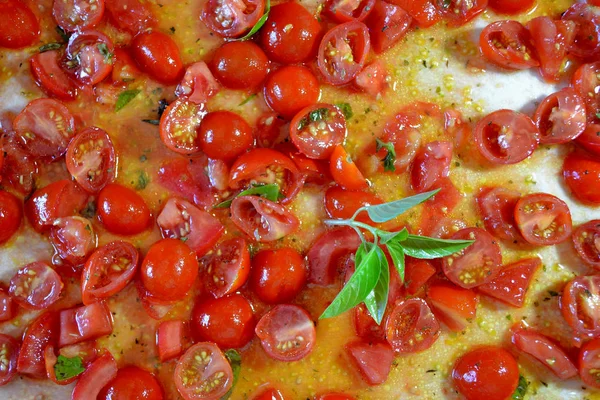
(269, 192)
(370, 282)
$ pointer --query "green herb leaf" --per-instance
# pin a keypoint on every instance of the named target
(142, 181)
(66, 368)
(521, 389)
(50, 46)
(259, 24)
(235, 360)
(598, 115)
(151, 121)
(385, 237)
(388, 211)
(269, 192)
(389, 161)
(360, 284)
(108, 56)
(125, 97)
(346, 109)
(397, 254)
(430, 248)
(65, 36)
(247, 99)
(376, 301)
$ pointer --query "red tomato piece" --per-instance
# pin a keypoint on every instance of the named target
(455, 307)
(180, 125)
(497, 207)
(226, 267)
(345, 172)
(315, 171)
(50, 76)
(560, 117)
(19, 168)
(581, 172)
(203, 372)
(84, 323)
(74, 15)
(342, 204)
(372, 79)
(366, 327)
(225, 135)
(262, 219)
(278, 275)
(431, 163)
(511, 7)
(269, 394)
(11, 214)
(586, 82)
(580, 306)
(291, 88)
(411, 326)
(586, 239)
(124, 68)
(73, 239)
(134, 383)
(551, 40)
(589, 364)
(7, 307)
(232, 18)
(317, 129)
(372, 360)
(130, 15)
(586, 44)
(506, 137)
(286, 333)
(21, 28)
(158, 55)
(343, 52)
(122, 210)
(343, 11)
(486, 372)
(590, 139)
(108, 270)
(43, 331)
(198, 84)
(511, 284)
(90, 56)
(387, 24)
(543, 219)
(169, 339)
(508, 44)
(326, 252)
(50, 360)
(459, 12)
(227, 321)
(10, 352)
(35, 286)
(416, 274)
(424, 12)
(45, 127)
(240, 65)
(91, 159)
(187, 178)
(156, 309)
(180, 219)
(95, 378)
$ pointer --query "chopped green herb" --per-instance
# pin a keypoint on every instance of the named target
(172, 29)
(521, 390)
(151, 121)
(247, 99)
(389, 161)
(65, 36)
(50, 46)
(143, 158)
(235, 360)
(259, 24)
(89, 211)
(598, 115)
(346, 109)
(108, 56)
(142, 181)
(269, 192)
(314, 116)
(125, 97)
(66, 368)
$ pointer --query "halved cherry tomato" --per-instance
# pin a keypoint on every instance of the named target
(19, 168)
(241, 65)
(424, 12)
(232, 18)
(511, 7)
(278, 275)
(45, 127)
(411, 326)
(344, 11)
(416, 274)
(511, 284)
(342, 204)
(317, 129)
(314, 171)
(91, 159)
(20, 28)
(291, 88)
(169, 269)
(84, 323)
(187, 177)
(130, 15)
(586, 239)
(372, 79)
(77, 15)
(90, 56)
(543, 219)
(7, 307)
(286, 333)
(431, 163)
(486, 372)
(586, 82)
(125, 69)
(589, 364)
(586, 44)
(508, 44)
(560, 117)
(290, 45)
(134, 383)
(198, 84)
(227, 321)
(326, 252)
(459, 12)
(545, 350)
(57, 200)
(590, 138)
(455, 307)
(343, 52)
(344, 171)
(158, 55)
(43, 331)
(224, 135)
(262, 219)
(96, 376)
(497, 207)
(35, 286)
(373, 360)
(582, 175)
(477, 264)
(180, 125)
(506, 137)
(269, 394)
(108, 270)
(551, 40)
(387, 24)
(580, 306)
(73, 239)
(10, 352)
(169, 339)
(226, 268)
(50, 76)
(203, 372)
(122, 210)
(11, 214)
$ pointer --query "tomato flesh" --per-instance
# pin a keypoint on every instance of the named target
(50, 76)
(508, 44)
(21, 27)
(10, 351)
(560, 117)
(543, 219)
(511, 284)
(455, 307)
(580, 306)
(84, 323)
(581, 173)
(226, 268)
(43, 331)
(586, 239)
(317, 129)
(387, 24)
(11, 214)
(373, 360)
(262, 219)
(35, 286)
(588, 363)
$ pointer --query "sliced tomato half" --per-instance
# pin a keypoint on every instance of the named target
(226, 267)
(411, 327)
(512, 283)
(580, 306)
(35, 286)
(262, 219)
(586, 239)
(50, 76)
(388, 24)
(317, 129)
(589, 363)
(95, 377)
(84, 323)
(73, 238)
(497, 207)
(551, 39)
(560, 117)
(372, 360)
(543, 219)
(508, 44)
(326, 252)
(179, 126)
(90, 56)
(455, 307)
(74, 15)
(232, 18)
(10, 350)
(42, 332)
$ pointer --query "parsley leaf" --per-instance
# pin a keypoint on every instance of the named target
(269, 192)
(389, 161)
(66, 368)
(125, 97)
(142, 180)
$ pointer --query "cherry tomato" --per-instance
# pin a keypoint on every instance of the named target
(169, 339)
(543, 219)
(314, 171)
(486, 372)
(45, 128)
(343, 52)
(506, 137)
(158, 55)
(10, 351)
(477, 264)
(227, 321)
(291, 88)
(262, 219)
(125, 69)
(372, 360)
(317, 129)
(416, 275)
(580, 306)
(203, 372)
(424, 12)
(240, 65)
(232, 18)
(586, 239)
(588, 363)
(293, 45)
(582, 174)
(586, 82)
(226, 268)
(19, 168)
(586, 44)
(551, 40)
(155, 308)
(50, 76)
(269, 394)
(35, 286)
(95, 378)
(459, 12)
(345, 172)
(508, 44)
(511, 7)
(73, 239)
(590, 139)
(560, 117)
(372, 79)
(122, 211)
(169, 269)
(225, 135)
(431, 163)
(91, 159)
(20, 28)
(278, 275)
(411, 326)
(511, 284)
(77, 15)
(344, 11)
(187, 177)
(198, 84)
(497, 206)
(7, 307)
(130, 15)
(180, 125)
(43, 331)
(326, 252)
(546, 351)
(11, 214)
(387, 24)
(90, 56)
(286, 333)
(108, 270)
(133, 383)
(84, 323)
(342, 204)
(455, 307)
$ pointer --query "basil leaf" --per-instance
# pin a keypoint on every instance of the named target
(269, 192)
(397, 253)
(521, 389)
(235, 359)
(376, 301)
(429, 248)
(388, 211)
(389, 161)
(259, 24)
(346, 109)
(125, 97)
(66, 368)
(385, 236)
(49, 46)
(360, 284)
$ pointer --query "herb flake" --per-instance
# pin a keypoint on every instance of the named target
(66, 368)
(125, 97)
(269, 192)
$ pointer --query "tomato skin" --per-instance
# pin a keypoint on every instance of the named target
(7, 306)
(41, 332)
(125, 69)
(227, 321)
(372, 79)
(291, 88)
(560, 117)
(588, 363)
(11, 215)
(590, 139)
(345, 172)
(486, 372)
(225, 135)
(538, 212)
(579, 306)
(408, 319)
(169, 339)
(342, 204)
(581, 172)
(586, 240)
(508, 44)
(226, 268)
(373, 360)
(77, 15)
(262, 219)
(497, 207)
(95, 377)
(50, 76)
(130, 15)
(11, 347)
(586, 44)
(431, 163)
(551, 40)
(326, 252)
(456, 307)
(342, 11)
(35, 286)
(416, 275)
(158, 55)
(180, 124)
(290, 46)
(511, 284)
(317, 129)
(232, 19)
(122, 210)
(87, 62)
(19, 168)
(198, 84)
(585, 81)
(388, 24)
(278, 276)
(511, 7)
(21, 28)
(132, 383)
(73, 238)
(458, 12)
(269, 394)
(240, 65)
(169, 269)
(424, 12)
